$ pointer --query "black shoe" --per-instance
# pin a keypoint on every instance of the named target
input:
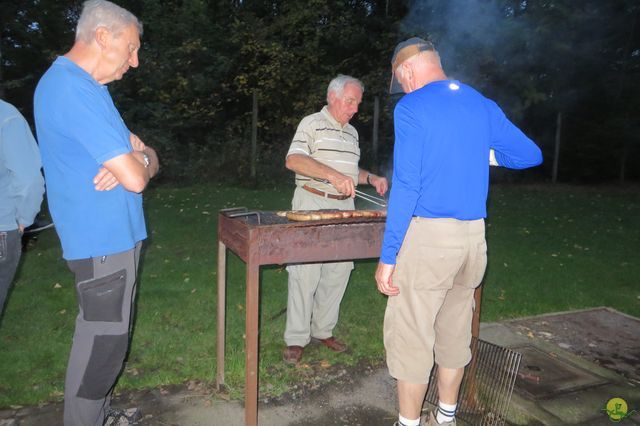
(119, 417)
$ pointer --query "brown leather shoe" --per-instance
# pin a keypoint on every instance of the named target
(332, 343)
(292, 354)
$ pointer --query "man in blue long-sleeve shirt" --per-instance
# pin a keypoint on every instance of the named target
(21, 189)
(434, 252)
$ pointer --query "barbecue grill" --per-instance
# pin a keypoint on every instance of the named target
(264, 238)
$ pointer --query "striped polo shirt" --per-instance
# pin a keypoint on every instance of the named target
(325, 140)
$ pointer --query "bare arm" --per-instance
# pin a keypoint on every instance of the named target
(378, 182)
(138, 145)
(307, 166)
(129, 169)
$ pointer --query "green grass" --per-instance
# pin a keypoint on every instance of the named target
(558, 249)
(550, 249)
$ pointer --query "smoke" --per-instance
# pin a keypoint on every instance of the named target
(520, 52)
(469, 34)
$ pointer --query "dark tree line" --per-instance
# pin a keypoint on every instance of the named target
(202, 61)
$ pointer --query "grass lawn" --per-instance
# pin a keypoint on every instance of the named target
(550, 249)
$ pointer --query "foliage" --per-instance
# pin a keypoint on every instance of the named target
(202, 60)
(550, 249)
(540, 58)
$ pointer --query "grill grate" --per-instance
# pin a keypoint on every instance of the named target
(487, 385)
(271, 218)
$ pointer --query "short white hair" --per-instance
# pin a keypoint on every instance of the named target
(103, 13)
(337, 85)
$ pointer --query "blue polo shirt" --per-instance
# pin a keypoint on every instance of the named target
(79, 128)
(443, 134)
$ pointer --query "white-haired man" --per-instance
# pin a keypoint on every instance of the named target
(324, 148)
(95, 170)
(434, 252)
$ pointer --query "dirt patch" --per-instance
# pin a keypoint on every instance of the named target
(317, 379)
(339, 395)
(360, 395)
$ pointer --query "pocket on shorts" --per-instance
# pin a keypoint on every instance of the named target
(430, 268)
(101, 298)
(479, 264)
(475, 267)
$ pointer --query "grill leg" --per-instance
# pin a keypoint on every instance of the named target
(222, 283)
(472, 400)
(251, 365)
(475, 324)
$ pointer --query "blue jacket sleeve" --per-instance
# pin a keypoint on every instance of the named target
(22, 159)
(405, 189)
(513, 149)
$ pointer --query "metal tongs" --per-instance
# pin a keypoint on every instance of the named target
(372, 198)
(379, 201)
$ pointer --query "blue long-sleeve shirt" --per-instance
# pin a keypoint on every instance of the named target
(21, 182)
(443, 134)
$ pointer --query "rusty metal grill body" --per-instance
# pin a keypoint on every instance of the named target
(264, 238)
(267, 238)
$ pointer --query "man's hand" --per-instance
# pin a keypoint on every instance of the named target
(307, 166)
(105, 180)
(343, 184)
(129, 169)
(136, 142)
(379, 183)
(140, 149)
(384, 279)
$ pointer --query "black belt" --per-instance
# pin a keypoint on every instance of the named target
(325, 194)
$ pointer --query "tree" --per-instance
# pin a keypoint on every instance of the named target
(201, 61)
(33, 34)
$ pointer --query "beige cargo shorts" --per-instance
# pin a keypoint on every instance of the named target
(439, 265)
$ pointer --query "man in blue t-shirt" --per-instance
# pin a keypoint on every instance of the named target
(434, 252)
(95, 171)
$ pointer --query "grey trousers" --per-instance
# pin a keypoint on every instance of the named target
(105, 288)
(315, 289)
(10, 251)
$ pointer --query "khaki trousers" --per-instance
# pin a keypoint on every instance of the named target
(316, 289)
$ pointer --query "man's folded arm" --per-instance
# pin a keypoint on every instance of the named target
(130, 171)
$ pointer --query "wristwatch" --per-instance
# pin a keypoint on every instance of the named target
(145, 158)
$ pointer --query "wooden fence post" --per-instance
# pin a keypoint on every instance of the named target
(254, 134)
(374, 144)
(556, 153)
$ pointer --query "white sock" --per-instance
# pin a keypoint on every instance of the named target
(446, 412)
(407, 422)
